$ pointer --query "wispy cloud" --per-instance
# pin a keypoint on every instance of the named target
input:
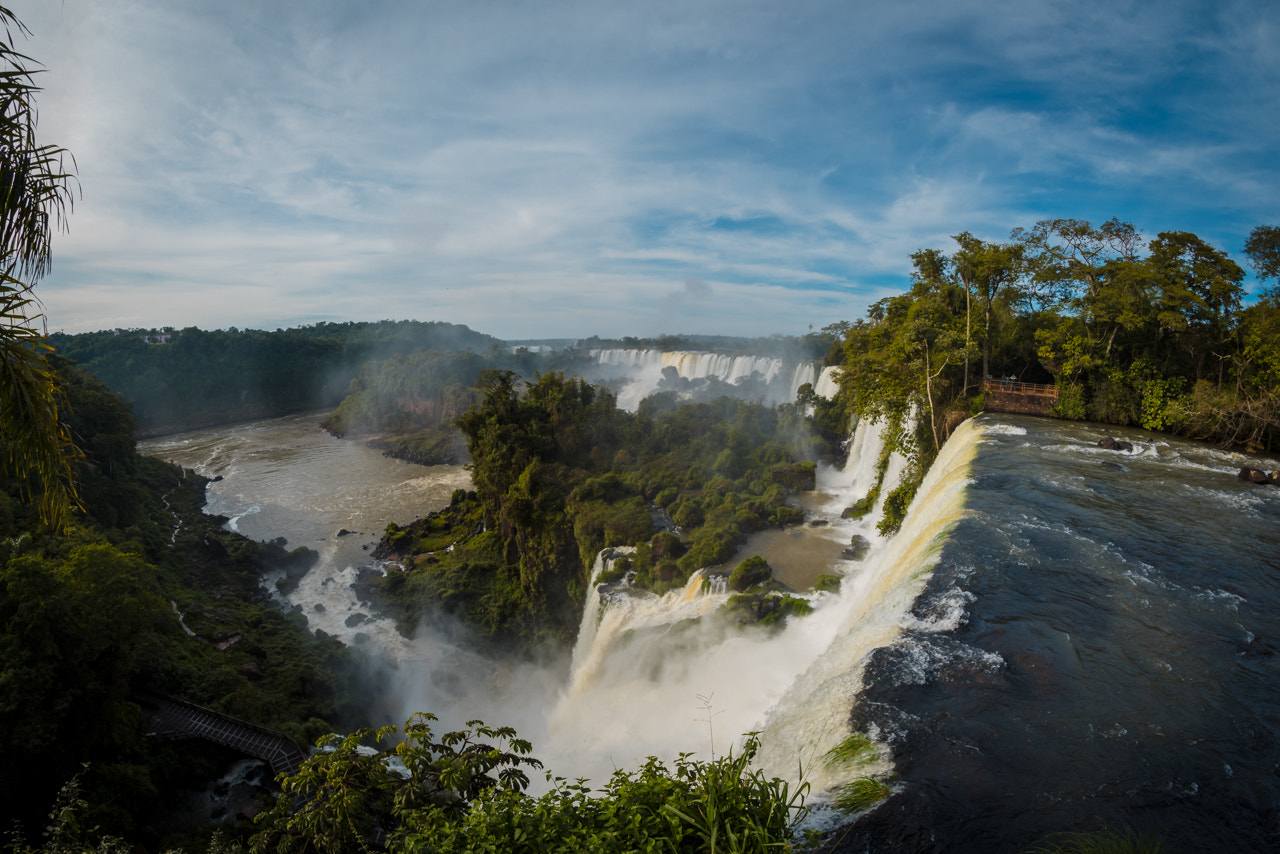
(569, 168)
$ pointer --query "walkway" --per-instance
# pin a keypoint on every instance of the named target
(170, 719)
(1018, 397)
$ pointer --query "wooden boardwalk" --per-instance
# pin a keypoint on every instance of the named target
(170, 719)
(1019, 397)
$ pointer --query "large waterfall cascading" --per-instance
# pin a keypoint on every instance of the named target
(642, 370)
(826, 385)
(869, 613)
(642, 661)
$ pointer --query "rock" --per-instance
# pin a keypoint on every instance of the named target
(252, 669)
(818, 523)
(1253, 475)
(857, 549)
(217, 479)
(356, 619)
(1110, 443)
(1113, 466)
(318, 608)
(365, 574)
(1258, 647)
(343, 532)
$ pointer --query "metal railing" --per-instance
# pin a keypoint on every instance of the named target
(1016, 387)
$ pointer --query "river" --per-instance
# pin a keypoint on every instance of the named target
(1060, 637)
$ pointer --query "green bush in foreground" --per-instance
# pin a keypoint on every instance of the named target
(465, 793)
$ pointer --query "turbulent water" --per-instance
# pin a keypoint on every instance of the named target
(285, 477)
(1113, 661)
(1060, 637)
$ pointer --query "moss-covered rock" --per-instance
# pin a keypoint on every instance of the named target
(751, 572)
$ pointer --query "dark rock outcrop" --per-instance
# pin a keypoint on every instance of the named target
(1253, 475)
(1110, 443)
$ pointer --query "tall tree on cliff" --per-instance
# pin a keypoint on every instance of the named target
(35, 195)
(1263, 249)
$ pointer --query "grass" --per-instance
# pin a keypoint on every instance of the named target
(862, 794)
(1106, 841)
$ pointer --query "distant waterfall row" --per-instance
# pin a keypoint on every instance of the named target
(769, 378)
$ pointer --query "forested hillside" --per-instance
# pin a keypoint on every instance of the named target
(176, 379)
(560, 473)
(141, 593)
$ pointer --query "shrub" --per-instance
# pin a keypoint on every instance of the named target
(688, 515)
(827, 583)
(752, 571)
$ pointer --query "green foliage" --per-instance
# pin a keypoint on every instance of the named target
(898, 501)
(861, 794)
(1071, 403)
(67, 831)
(103, 608)
(460, 794)
(1126, 841)
(343, 796)
(752, 571)
(856, 749)
(198, 377)
(36, 192)
(827, 583)
(765, 608)
(553, 488)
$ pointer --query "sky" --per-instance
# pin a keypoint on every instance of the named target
(561, 169)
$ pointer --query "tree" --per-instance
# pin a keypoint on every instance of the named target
(1200, 294)
(35, 195)
(991, 271)
(1263, 249)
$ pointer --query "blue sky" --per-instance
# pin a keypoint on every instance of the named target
(562, 169)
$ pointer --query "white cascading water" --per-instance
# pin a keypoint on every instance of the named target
(658, 675)
(872, 608)
(826, 384)
(643, 371)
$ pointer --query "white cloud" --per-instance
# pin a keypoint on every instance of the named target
(564, 168)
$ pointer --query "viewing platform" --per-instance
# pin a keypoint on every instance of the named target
(170, 719)
(1019, 398)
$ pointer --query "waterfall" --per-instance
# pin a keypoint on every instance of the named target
(873, 604)
(642, 660)
(642, 371)
(629, 612)
(826, 385)
(590, 624)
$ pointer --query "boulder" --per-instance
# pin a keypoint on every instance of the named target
(1253, 475)
(1110, 443)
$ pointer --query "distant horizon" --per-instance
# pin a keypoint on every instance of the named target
(170, 328)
